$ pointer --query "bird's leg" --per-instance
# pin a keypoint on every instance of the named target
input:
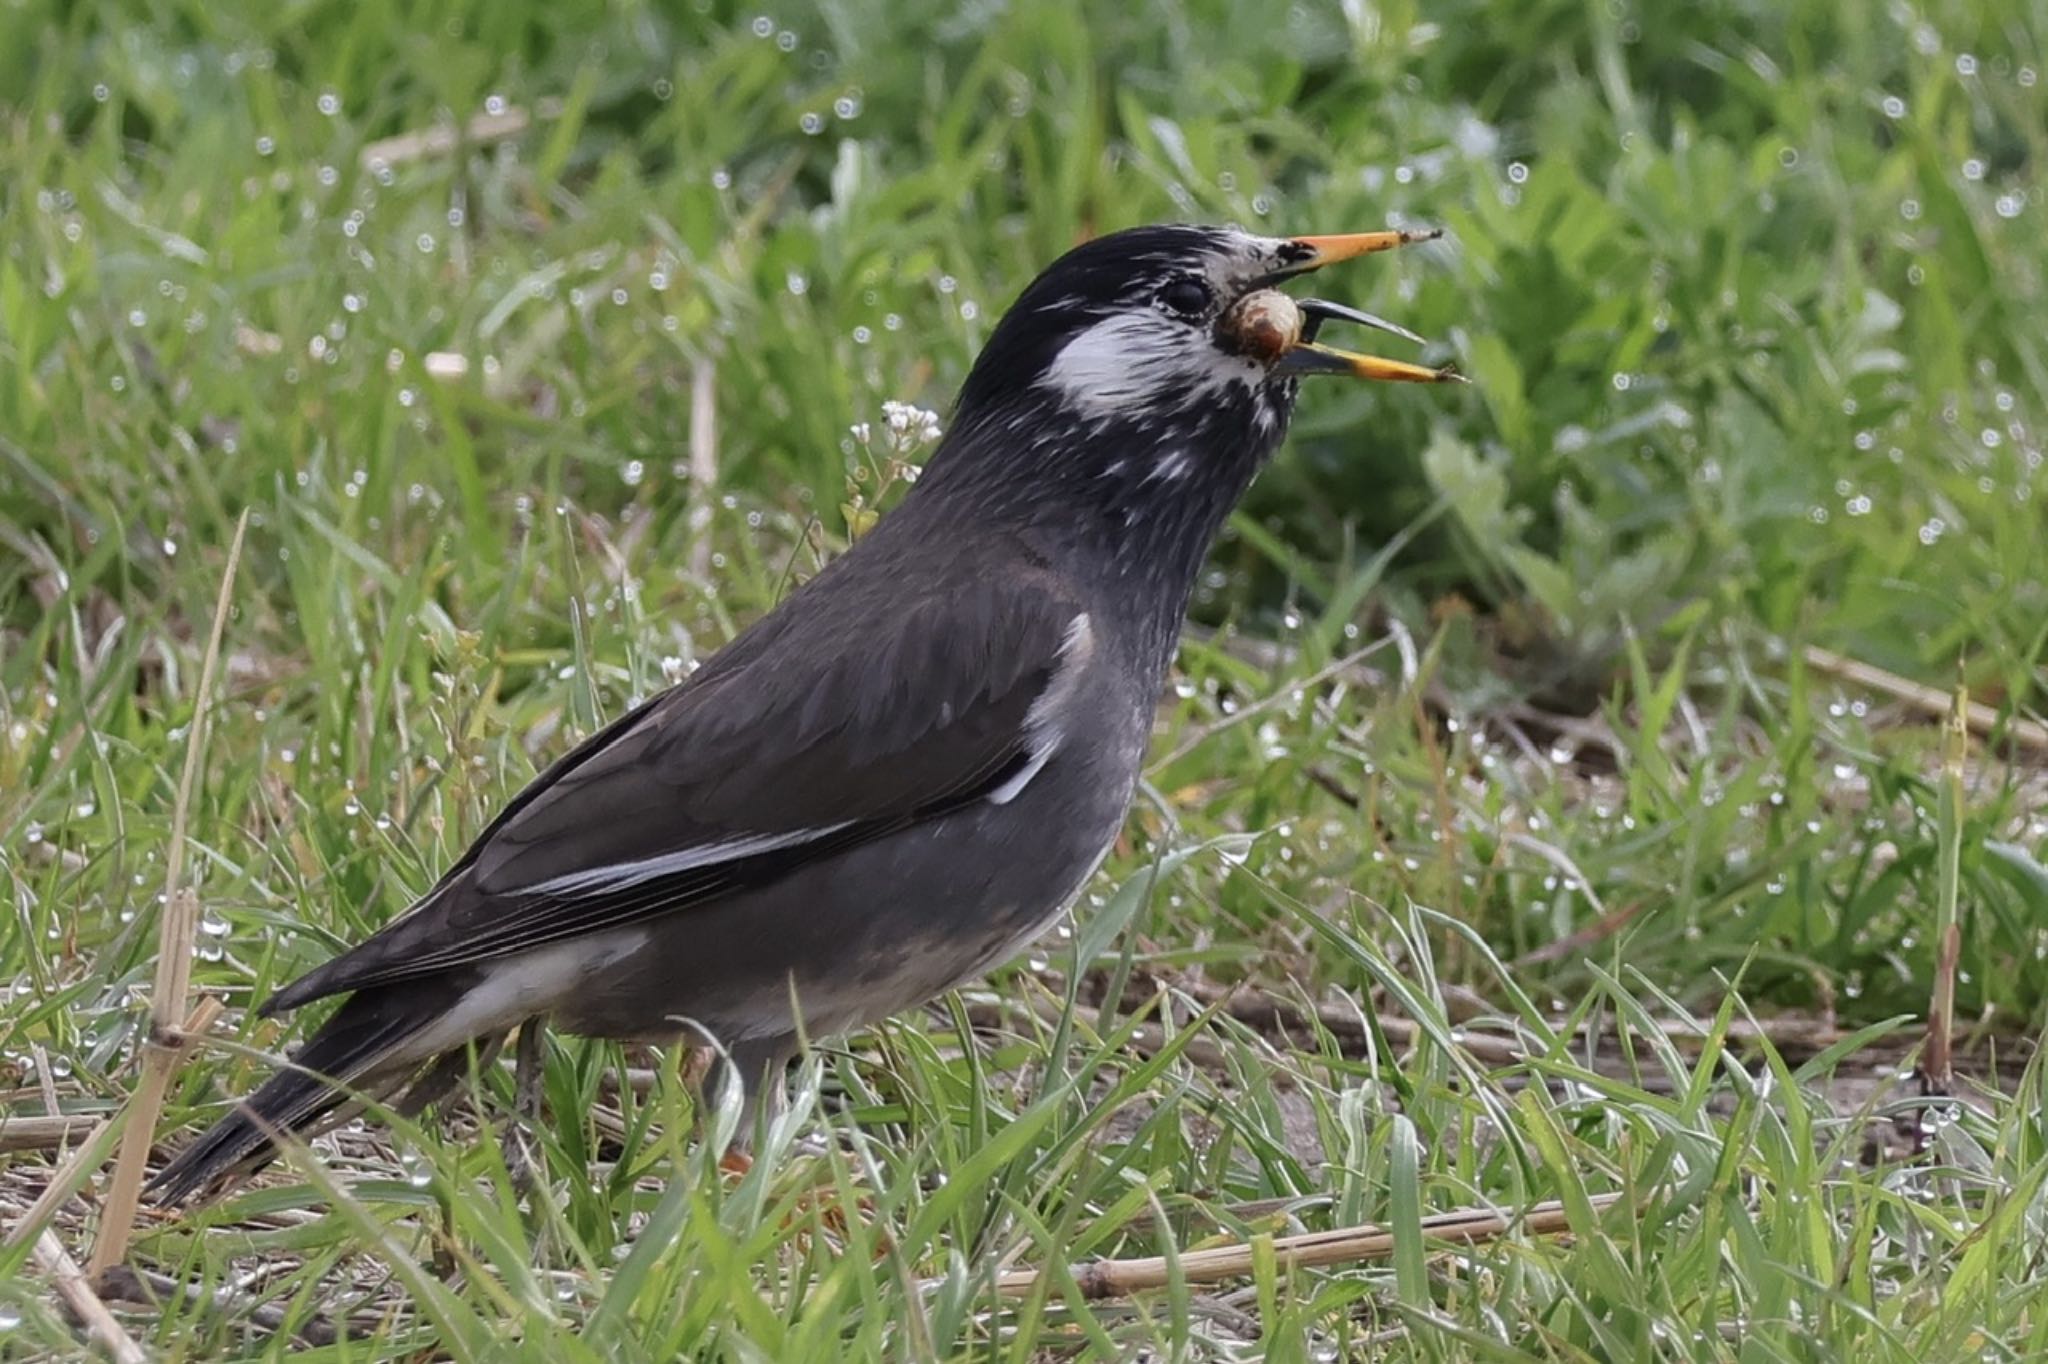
(757, 1067)
(760, 1064)
(521, 1152)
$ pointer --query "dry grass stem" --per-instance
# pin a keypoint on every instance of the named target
(1937, 1065)
(168, 1024)
(1342, 1245)
(1932, 702)
(443, 138)
(76, 1291)
(703, 461)
(60, 1186)
(46, 1132)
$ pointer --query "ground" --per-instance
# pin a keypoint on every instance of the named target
(1554, 803)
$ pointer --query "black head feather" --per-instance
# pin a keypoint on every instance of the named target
(1110, 413)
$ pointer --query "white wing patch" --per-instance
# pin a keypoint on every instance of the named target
(623, 875)
(1044, 724)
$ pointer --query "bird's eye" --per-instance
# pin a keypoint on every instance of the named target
(1186, 297)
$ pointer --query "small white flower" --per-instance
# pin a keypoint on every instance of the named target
(907, 427)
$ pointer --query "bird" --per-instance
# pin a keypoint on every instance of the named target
(906, 770)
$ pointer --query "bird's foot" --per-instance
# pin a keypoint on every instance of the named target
(816, 1211)
(521, 1161)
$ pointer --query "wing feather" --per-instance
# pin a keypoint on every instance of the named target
(823, 727)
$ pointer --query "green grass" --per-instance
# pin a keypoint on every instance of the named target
(1503, 720)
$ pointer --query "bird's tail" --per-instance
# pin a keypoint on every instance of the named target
(370, 1047)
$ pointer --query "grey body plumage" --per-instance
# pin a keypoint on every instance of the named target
(897, 777)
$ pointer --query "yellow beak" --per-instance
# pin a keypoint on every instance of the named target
(1308, 356)
(1330, 250)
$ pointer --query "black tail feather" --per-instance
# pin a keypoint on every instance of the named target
(358, 1050)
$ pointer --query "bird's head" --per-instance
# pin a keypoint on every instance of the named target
(1130, 394)
(1169, 348)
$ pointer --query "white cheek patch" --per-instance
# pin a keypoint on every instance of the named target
(1140, 360)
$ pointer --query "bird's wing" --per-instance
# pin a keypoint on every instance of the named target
(815, 731)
